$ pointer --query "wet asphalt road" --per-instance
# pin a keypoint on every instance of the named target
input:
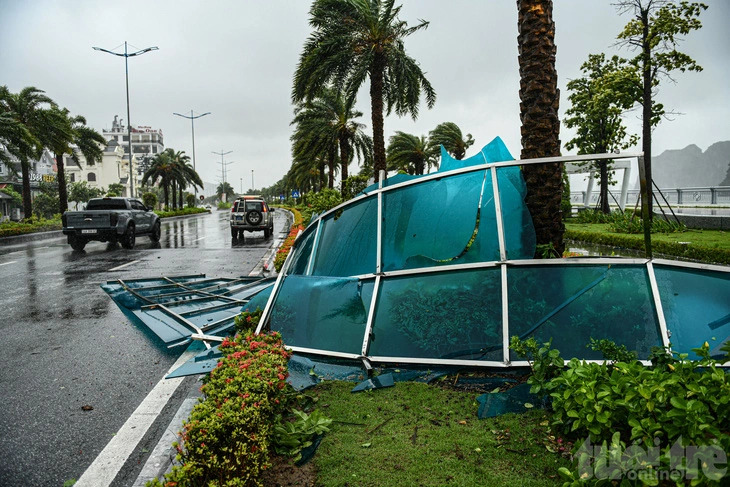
(65, 344)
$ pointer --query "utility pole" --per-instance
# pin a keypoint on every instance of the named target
(223, 164)
(192, 126)
(252, 186)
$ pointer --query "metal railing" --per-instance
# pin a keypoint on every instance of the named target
(701, 196)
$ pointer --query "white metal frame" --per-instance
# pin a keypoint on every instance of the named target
(503, 264)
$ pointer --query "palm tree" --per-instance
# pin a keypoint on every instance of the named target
(540, 122)
(327, 122)
(354, 40)
(31, 109)
(225, 189)
(449, 135)
(185, 175)
(411, 153)
(14, 136)
(161, 169)
(67, 133)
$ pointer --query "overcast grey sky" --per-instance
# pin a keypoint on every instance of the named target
(236, 59)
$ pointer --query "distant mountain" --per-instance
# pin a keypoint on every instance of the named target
(690, 167)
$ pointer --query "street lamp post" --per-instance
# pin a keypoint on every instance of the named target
(127, 55)
(252, 186)
(192, 126)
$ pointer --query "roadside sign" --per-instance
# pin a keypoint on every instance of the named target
(295, 193)
(281, 198)
(202, 197)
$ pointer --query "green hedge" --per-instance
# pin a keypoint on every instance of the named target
(11, 229)
(184, 211)
(636, 242)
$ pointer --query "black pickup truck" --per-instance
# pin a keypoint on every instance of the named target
(110, 220)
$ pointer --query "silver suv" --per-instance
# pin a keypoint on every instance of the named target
(251, 214)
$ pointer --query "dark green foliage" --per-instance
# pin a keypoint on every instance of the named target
(149, 200)
(545, 362)
(353, 185)
(626, 403)
(611, 351)
(291, 437)
(324, 200)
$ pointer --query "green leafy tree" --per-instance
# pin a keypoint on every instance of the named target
(356, 40)
(411, 153)
(14, 135)
(115, 189)
(598, 101)
(540, 129)
(81, 192)
(190, 200)
(654, 32)
(32, 117)
(449, 135)
(45, 204)
(150, 200)
(354, 185)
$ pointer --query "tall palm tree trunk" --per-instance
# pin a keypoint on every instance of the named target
(376, 105)
(62, 191)
(331, 166)
(646, 111)
(174, 196)
(344, 161)
(27, 202)
(540, 129)
(321, 175)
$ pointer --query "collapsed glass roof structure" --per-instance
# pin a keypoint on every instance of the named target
(438, 270)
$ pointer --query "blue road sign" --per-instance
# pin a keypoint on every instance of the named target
(294, 193)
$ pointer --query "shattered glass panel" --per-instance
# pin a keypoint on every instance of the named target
(439, 222)
(324, 313)
(696, 305)
(347, 244)
(519, 233)
(302, 251)
(446, 315)
(573, 303)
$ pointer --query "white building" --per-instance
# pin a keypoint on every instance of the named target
(146, 141)
(113, 169)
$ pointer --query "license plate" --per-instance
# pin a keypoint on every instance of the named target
(88, 231)
(239, 218)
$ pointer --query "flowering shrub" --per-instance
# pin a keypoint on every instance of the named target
(227, 439)
(283, 251)
(247, 321)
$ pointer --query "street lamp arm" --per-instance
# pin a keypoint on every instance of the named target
(190, 117)
(142, 51)
(107, 50)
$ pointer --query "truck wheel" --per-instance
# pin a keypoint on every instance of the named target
(234, 233)
(156, 233)
(266, 233)
(77, 243)
(128, 238)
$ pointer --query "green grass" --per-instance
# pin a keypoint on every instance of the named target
(422, 435)
(712, 246)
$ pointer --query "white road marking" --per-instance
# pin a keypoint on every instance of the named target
(124, 265)
(107, 464)
(201, 238)
(11, 262)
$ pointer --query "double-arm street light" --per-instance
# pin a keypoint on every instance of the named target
(127, 55)
(192, 126)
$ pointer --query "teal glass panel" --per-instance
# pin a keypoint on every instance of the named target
(302, 251)
(573, 303)
(519, 233)
(440, 222)
(347, 242)
(454, 315)
(325, 313)
(696, 305)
